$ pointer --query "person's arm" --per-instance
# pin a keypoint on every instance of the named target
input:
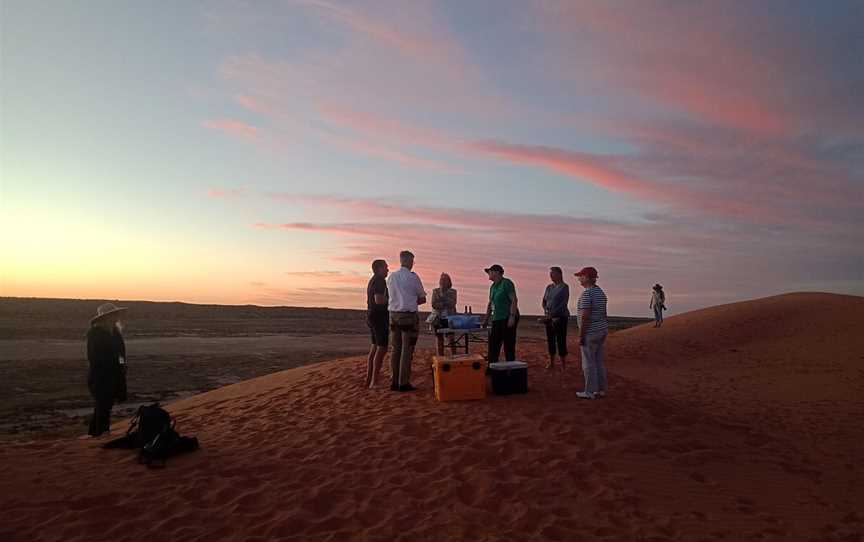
(437, 302)
(544, 304)
(562, 303)
(651, 303)
(379, 294)
(421, 293)
(488, 313)
(566, 300)
(121, 346)
(454, 301)
(386, 289)
(92, 351)
(514, 308)
(585, 319)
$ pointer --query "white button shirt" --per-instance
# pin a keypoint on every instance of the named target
(404, 287)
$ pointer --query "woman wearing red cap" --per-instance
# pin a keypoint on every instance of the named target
(593, 328)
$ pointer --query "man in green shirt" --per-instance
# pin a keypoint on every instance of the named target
(503, 313)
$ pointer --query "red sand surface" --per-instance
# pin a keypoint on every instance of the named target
(739, 422)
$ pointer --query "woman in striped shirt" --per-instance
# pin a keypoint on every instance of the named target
(593, 329)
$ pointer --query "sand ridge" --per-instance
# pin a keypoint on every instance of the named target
(306, 454)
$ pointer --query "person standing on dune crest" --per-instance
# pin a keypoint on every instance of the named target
(106, 353)
(593, 329)
(406, 294)
(378, 320)
(658, 303)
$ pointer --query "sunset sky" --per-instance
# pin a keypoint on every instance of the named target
(266, 152)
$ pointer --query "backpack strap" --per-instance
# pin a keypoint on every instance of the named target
(133, 425)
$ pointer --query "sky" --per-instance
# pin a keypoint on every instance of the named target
(266, 152)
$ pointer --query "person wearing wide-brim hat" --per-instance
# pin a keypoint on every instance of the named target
(106, 352)
(658, 303)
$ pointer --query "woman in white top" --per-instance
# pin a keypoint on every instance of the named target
(444, 303)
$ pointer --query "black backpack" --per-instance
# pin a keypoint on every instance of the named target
(152, 432)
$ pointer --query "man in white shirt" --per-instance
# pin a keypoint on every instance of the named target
(406, 294)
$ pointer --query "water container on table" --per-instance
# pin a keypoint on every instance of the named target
(463, 321)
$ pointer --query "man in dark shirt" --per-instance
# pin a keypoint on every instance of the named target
(378, 320)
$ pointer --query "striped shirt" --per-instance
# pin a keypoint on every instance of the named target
(594, 299)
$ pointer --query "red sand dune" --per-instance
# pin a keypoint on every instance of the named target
(739, 422)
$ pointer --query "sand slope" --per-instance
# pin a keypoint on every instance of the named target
(711, 432)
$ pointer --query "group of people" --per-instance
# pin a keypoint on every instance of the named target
(393, 301)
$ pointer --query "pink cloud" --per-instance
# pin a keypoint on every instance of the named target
(580, 165)
(382, 127)
(693, 257)
(385, 152)
(691, 182)
(225, 193)
(315, 274)
(249, 103)
(700, 67)
(418, 44)
(232, 127)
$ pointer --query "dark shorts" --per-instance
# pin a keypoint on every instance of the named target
(556, 336)
(379, 329)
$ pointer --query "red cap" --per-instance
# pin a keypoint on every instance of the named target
(589, 272)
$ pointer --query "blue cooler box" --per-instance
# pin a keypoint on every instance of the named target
(463, 321)
(509, 377)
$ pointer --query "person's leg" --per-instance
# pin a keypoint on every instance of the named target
(96, 420)
(496, 336)
(657, 316)
(395, 353)
(101, 420)
(599, 361)
(660, 313)
(561, 340)
(379, 362)
(370, 362)
(510, 340)
(108, 405)
(451, 337)
(381, 338)
(550, 344)
(589, 366)
(410, 333)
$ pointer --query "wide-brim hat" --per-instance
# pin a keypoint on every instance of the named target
(105, 310)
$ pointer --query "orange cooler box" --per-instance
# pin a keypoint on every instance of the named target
(459, 378)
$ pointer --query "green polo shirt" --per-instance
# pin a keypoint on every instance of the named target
(499, 296)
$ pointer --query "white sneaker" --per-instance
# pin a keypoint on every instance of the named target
(584, 395)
